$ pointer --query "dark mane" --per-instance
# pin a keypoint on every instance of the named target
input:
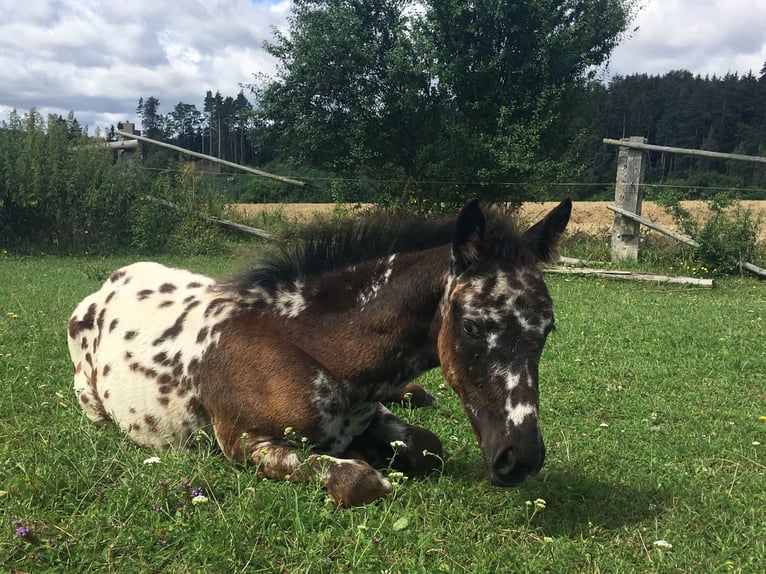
(337, 244)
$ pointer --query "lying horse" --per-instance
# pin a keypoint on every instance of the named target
(317, 335)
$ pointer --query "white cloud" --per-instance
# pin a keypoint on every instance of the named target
(705, 37)
(98, 58)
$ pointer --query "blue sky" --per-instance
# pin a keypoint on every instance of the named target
(97, 57)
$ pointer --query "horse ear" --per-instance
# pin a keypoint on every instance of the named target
(469, 233)
(543, 237)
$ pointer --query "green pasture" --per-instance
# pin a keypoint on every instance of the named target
(653, 406)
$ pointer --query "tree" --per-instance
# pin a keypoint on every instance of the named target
(152, 120)
(184, 124)
(352, 93)
(509, 70)
(445, 90)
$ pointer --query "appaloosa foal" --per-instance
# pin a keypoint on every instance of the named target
(314, 338)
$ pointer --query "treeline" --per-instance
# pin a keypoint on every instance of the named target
(223, 128)
(382, 102)
(722, 114)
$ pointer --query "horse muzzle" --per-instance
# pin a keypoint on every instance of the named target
(512, 462)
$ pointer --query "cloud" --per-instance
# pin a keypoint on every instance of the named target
(705, 37)
(97, 58)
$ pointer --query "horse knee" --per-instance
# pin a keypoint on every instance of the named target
(421, 454)
(354, 483)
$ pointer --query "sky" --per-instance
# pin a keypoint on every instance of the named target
(98, 57)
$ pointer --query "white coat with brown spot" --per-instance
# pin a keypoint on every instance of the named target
(135, 345)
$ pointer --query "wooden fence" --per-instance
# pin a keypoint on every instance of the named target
(628, 196)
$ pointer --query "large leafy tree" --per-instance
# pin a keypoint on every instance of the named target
(352, 93)
(439, 90)
(508, 73)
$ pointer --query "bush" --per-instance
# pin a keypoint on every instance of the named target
(172, 217)
(62, 191)
(727, 238)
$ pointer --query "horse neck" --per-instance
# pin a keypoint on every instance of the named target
(376, 320)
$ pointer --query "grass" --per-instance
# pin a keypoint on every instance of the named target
(651, 405)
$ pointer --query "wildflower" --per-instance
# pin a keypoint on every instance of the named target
(662, 544)
(21, 530)
(152, 460)
(197, 491)
(762, 418)
(547, 539)
(13, 315)
(604, 425)
(158, 508)
(398, 444)
(756, 443)
(199, 499)
(539, 503)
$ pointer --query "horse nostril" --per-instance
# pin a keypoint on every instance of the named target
(509, 468)
(504, 465)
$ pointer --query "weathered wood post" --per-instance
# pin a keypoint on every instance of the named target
(628, 194)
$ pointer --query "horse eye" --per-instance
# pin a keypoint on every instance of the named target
(470, 328)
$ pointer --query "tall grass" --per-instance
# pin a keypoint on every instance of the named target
(652, 405)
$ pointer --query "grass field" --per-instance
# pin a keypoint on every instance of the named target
(653, 406)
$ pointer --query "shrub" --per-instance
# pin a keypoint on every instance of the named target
(727, 238)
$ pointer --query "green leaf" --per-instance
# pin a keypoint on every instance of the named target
(401, 523)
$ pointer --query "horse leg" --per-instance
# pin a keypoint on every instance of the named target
(411, 395)
(348, 482)
(390, 440)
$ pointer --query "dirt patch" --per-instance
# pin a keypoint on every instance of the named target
(590, 217)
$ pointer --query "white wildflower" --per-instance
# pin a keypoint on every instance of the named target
(398, 444)
(199, 499)
(152, 460)
(662, 544)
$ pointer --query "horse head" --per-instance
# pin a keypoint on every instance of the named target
(495, 316)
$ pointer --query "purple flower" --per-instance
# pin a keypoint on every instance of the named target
(198, 491)
(22, 531)
(158, 507)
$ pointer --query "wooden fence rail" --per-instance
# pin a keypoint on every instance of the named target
(227, 163)
(633, 143)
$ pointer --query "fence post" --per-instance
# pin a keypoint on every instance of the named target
(628, 194)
